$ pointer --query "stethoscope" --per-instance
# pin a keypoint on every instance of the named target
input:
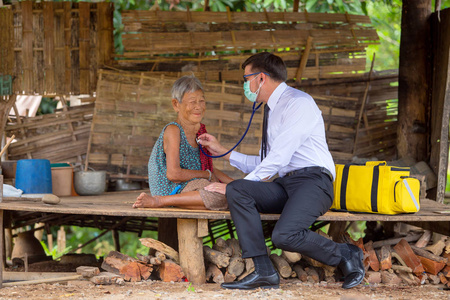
(248, 127)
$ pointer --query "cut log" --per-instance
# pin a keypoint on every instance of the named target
(405, 269)
(170, 271)
(234, 245)
(236, 266)
(88, 272)
(390, 278)
(214, 274)
(313, 275)
(431, 266)
(157, 245)
(409, 238)
(155, 261)
(145, 271)
(291, 257)
(249, 264)
(406, 253)
(301, 273)
(115, 261)
(447, 246)
(443, 279)
(408, 278)
(160, 256)
(446, 271)
(249, 268)
(385, 258)
(372, 259)
(228, 277)
(434, 279)
(429, 255)
(131, 272)
(424, 239)
(437, 247)
(143, 258)
(281, 265)
(216, 257)
(373, 277)
(223, 247)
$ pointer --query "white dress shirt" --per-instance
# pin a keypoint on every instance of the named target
(295, 138)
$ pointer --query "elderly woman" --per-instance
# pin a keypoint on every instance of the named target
(177, 170)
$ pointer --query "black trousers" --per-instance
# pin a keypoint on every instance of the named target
(300, 199)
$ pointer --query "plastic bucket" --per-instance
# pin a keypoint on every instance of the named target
(34, 176)
(62, 179)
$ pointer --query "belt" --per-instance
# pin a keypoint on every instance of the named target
(310, 169)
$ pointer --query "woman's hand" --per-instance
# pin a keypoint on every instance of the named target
(217, 187)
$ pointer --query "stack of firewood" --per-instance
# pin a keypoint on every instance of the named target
(413, 259)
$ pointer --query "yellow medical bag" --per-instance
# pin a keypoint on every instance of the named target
(375, 188)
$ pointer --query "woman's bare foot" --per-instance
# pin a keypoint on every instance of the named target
(144, 200)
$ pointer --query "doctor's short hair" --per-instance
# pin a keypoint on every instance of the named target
(269, 63)
(185, 84)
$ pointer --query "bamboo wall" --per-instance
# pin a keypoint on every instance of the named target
(6, 41)
(177, 42)
(59, 137)
(58, 46)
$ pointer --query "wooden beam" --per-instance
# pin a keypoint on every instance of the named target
(440, 101)
(413, 90)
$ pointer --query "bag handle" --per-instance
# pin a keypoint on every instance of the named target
(376, 163)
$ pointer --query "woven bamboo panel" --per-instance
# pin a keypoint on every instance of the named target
(341, 108)
(59, 137)
(6, 39)
(58, 46)
(215, 50)
(131, 109)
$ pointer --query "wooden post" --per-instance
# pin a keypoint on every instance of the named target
(413, 89)
(191, 251)
(440, 102)
(49, 47)
(2, 262)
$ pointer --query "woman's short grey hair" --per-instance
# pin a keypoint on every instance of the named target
(185, 84)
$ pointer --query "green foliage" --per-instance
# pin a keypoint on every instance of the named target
(190, 288)
(129, 242)
(47, 106)
(54, 252)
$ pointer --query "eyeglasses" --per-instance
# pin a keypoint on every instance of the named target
(245, 76)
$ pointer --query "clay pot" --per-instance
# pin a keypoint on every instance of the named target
(27, 243)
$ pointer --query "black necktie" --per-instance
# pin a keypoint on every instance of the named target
(264, 132)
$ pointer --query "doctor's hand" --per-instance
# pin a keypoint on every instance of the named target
(217, 187)
(212, 144)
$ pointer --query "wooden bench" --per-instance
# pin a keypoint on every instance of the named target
(193, 224)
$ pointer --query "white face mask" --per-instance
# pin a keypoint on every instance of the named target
(252, 96)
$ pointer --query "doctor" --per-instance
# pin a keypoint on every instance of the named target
(296, 150)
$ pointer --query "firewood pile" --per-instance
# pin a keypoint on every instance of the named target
(416, 258)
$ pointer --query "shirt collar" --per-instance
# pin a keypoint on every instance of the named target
(273, 99)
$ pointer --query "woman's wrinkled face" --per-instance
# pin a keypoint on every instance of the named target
(192, 107)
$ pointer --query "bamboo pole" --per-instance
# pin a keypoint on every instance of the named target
(363, 104)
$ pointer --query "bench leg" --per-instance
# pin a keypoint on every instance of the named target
(190, 248)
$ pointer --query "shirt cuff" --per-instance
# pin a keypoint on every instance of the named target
(237, 159)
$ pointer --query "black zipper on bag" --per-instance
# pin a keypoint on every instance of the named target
(395, 185)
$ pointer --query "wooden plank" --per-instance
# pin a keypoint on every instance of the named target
(84, 42)
(49, 45)
(27, 45)
(440, 107)
(67, 47)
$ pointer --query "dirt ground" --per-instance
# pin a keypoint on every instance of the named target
(291, 289)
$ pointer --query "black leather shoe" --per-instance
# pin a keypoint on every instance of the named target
(352, 267)
(254, 281)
